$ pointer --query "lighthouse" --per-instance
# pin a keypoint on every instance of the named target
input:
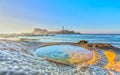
(62, 28)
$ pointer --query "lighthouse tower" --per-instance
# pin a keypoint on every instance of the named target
(62, 28)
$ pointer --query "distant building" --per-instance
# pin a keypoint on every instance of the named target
(62, 28)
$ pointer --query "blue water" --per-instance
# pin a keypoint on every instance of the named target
(113, 39)
(64, 52)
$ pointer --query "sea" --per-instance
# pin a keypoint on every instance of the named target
(113, 39)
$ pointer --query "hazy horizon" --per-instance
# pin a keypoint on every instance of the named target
(84, 16)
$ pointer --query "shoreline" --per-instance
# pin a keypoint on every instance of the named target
(18, 57)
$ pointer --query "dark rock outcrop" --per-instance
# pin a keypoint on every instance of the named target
(38, 31)
(82, 42)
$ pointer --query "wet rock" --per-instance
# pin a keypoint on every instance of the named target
(8, 72)
(82, 42)
(96, 70)
(15, 62)
(104, 46)
(103, 61)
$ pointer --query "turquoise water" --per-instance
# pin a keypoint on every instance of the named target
(62, 53)
(91, 38)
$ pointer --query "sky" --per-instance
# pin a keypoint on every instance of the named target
(85, 16)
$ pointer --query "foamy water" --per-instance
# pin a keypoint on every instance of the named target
(91, 38)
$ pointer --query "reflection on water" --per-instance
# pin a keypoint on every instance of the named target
(65, 54)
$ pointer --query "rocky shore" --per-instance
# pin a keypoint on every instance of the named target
(18, 58)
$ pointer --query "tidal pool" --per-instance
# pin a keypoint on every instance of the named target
(66, 54)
